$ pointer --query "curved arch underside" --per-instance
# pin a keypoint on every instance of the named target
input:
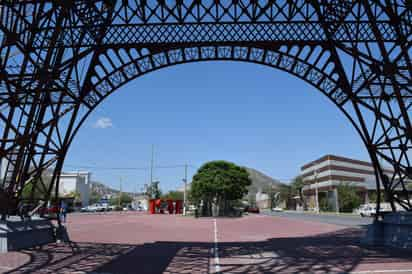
(59, 61)
(128, 64)
(117, 67)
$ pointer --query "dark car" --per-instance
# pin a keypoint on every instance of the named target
(250, 209)
(253, 210)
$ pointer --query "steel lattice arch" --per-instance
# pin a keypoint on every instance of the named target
(60, 59)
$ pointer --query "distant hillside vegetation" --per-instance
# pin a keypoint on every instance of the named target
(261, 181)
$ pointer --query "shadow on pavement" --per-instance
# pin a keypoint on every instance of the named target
(339, 251)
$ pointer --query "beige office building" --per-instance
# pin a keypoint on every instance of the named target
(323, 175)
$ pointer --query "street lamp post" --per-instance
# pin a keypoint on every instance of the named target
(184, 192)
(120, 191)
(316, 192)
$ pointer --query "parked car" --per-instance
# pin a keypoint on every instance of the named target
(94, 208)
(253, 210)
(369, 210)
(277, 209)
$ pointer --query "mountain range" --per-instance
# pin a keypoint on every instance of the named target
(260, 182)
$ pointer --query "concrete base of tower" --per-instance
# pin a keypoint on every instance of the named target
(394, 230)
(16, 234)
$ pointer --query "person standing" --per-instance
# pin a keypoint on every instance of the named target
(63, 212)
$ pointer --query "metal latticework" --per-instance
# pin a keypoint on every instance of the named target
(60, 59)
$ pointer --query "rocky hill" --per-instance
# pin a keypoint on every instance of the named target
(102, 189)
(261, 181)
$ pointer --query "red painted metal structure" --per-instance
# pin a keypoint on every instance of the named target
(160, 206)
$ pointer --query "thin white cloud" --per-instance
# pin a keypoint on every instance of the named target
(103, 122)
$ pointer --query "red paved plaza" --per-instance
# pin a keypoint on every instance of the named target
(139, 243)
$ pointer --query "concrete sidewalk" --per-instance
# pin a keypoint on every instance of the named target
(342, 219)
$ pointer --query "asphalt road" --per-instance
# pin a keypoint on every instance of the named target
(342, 220)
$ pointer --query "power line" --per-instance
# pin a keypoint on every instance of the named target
(283, 180)
(112, 168)
(128, 168)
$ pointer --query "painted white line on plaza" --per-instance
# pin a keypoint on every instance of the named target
(216, 250)
(382, 271)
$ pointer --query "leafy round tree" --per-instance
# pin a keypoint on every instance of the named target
(125, 199)
(173, 195)
(218, 183)
(348, 198)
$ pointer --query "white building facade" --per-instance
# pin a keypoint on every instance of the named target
(262, 200)
(76, 182)
(141, 202)
(326, 173)
(3, 166)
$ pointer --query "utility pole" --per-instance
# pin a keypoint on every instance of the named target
(120, 193)
(335, 192)
(151, 166)
(316, 191)
(184, 192)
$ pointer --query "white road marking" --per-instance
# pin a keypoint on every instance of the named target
(216, 250)
(382, 271)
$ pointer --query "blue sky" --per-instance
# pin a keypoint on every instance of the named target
(249, 114)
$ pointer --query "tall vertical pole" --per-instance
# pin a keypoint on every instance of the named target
(316, 192)
(151, 166)
(336, 199)
(184, 192)
(120, 188)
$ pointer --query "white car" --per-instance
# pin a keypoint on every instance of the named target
(277, 209)
(366, 210)
(94, 208)
(369, 210)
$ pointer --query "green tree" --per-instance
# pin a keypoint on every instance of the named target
(285, 193)
(125, 199)
(173, 195)
(348, 198)
(218, 183)
(297, 185)
(373, 197)
(39, 192)
(324, 204)
(76, 197)
(95, 197)
(153, 190)
(27, 191)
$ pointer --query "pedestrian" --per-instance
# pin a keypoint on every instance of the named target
(63, 211)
